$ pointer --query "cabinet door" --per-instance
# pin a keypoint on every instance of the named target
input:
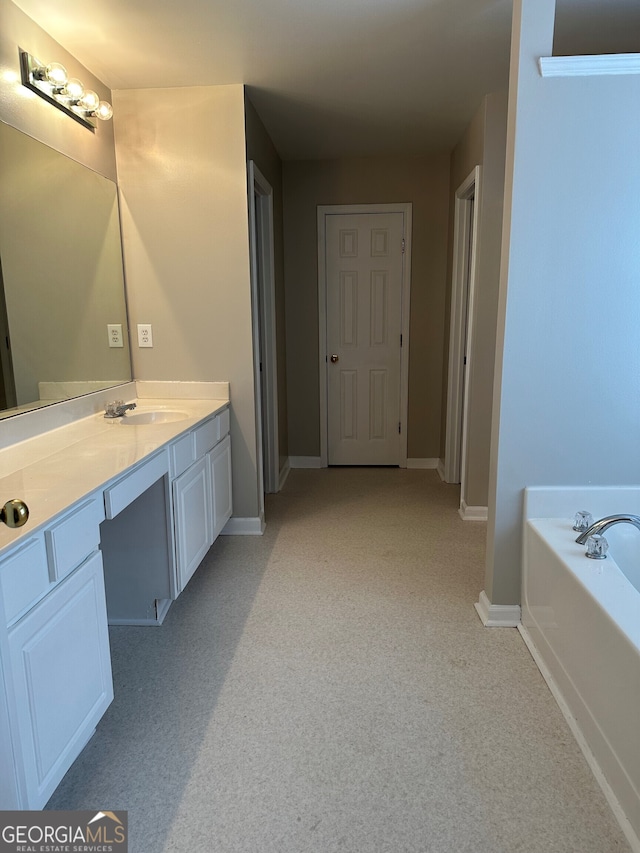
(192, 518)
(220, 460)
(61, 675)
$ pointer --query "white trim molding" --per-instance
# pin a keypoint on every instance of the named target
(473, 513)
(574, 709)
(284, 473)
(419, 462)
(497, 615)
(244, 527)
(324, 210)
(263, 316)
(466, 239)
(440, 469)
(305, 462)
(589, 66)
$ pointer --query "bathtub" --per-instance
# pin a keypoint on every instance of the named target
(581, 622)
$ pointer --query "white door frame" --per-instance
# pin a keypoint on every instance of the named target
(461, 326)
(325, 210)
(264, 328)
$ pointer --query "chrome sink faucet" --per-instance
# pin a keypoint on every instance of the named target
(117, 409)
(599, 527)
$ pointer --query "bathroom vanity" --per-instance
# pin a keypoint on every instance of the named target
(121, 515)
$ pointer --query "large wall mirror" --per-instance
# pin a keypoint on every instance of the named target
(62, 276)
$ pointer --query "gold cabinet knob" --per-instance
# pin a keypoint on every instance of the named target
(14, 513)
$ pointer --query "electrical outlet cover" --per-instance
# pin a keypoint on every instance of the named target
(114, 331)
(145, 335)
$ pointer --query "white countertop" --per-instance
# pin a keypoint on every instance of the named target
(52, 471)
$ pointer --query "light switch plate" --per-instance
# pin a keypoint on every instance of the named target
(115, 335)
(145, 335)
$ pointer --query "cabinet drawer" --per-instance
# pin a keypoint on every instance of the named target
(24, 577)
(205, 436)
(73, 538)
(182, 455)
(223, 420)
(132, 485)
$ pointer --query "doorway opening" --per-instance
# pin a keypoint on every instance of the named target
(465, 251)
(364, 282)
(8, 397)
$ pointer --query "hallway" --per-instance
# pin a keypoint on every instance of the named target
(329, 687)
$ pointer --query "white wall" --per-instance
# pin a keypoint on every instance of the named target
(182, 177)
(567, 391)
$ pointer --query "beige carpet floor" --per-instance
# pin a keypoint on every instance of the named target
(329, 687)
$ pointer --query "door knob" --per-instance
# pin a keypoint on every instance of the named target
(14, 513)
(334, 358)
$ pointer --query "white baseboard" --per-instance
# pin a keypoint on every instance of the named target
(497, 615)
(305, 462)
(440, 469)
(473, 513)
(571, 718)
(243, 527)
(284, 473)
(419, 462)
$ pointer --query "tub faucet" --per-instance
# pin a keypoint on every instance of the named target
(117, 409)
(607, 522)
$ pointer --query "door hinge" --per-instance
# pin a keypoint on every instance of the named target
(400, 427)
(403, 245)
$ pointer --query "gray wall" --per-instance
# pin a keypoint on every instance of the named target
(35, 116)
(261, 149)
(567, 391)
(483, 144)
(424, 181)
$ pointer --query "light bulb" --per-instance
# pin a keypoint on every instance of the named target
(56, 74)
(74, 89)
(89, 101)
(104, 111)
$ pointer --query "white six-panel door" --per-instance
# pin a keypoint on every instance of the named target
(364, 267)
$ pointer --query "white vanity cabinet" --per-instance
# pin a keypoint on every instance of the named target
(139, 532)
(54, 646)
(192, 518)
(201, 464)
(220, 466)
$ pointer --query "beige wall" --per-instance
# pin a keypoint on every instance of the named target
(182, 175)
(33, 115)
(483, 144)
(424, 181)
(260, 148)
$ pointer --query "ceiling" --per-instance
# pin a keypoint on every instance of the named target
(329, 78)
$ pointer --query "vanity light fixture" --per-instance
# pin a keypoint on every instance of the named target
(53, 84)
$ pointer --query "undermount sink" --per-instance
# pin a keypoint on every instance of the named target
(159, 416)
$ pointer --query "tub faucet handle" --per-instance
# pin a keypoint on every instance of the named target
(597, 547)
(582, 521)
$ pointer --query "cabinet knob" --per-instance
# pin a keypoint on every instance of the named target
(14, 513)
